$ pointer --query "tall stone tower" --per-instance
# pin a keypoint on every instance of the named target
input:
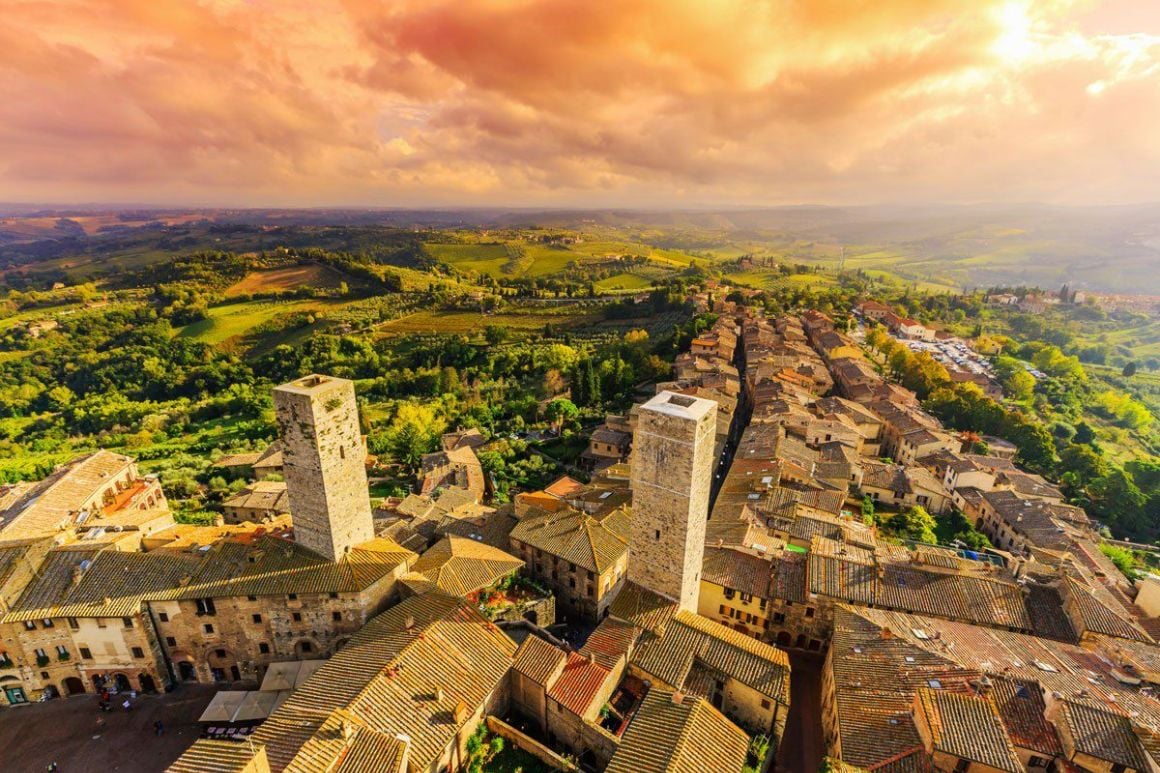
(323, 459)
(672, 471)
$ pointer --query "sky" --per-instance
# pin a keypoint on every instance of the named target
(579, 103)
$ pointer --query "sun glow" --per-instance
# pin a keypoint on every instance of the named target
(1014, 43)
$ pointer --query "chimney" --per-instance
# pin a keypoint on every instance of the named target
(406, 741)
(460, 712)
(348, 730)
(591, 657)
(409, 622)
(886, 634)
(439, 694)
(678, 698)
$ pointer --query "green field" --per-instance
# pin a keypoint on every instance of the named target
(523, 320)
(624, 281)
(234, 320)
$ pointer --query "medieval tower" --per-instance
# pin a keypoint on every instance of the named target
(323, 459)
(672, 471)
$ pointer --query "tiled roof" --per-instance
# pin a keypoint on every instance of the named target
(642, 608)
(612, 640)
(671, 733)
(43, 507)
(1100, 733)
(1021, 706)
(579, 684)
(1097, 616)
(969, 728)
(589, 542)
(206, 756)
(461, 566)
(99, 583)
(738, 570)
(539, 660)
(419, 669)
(263, 495)
(270, 566)
(689, 638)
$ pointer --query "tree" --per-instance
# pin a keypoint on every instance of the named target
(1129, 369)
(560, 410)
(1019, 385)
(913, 523)
(414, 431)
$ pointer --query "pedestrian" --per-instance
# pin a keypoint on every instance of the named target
(52, 766)
(127, 705)
(159, 728)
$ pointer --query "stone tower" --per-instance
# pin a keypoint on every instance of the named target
(672, 471)
(323, 460)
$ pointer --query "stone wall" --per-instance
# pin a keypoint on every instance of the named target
(324, 464)
(672, 470)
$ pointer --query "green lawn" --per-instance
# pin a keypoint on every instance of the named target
(233, 320)
(624, 281)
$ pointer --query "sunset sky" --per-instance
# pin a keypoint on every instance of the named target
(578, 102)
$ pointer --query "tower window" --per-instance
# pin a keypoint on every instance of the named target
(658, 533)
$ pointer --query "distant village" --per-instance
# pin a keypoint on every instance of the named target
(647, 618)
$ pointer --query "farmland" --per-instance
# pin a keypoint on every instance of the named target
(287, 278)
(234, 320)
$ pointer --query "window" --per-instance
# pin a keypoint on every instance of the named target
(297, 617)
(291, 596)
(809, 611)
(220, 653)
(163, 617)
(138, 652)
(334, 595)
(336, 616)
(779, 617)
(206, 607)
(658, 533)
(721, 609)
(29, 625)
(962, 766)
(86, 653)
(48, 623)
(62, 652)
(764, 704)
(252, 598)
(257, 618)
(127, 622)
(746, 598)
(170, 641)
(572, 583)
(264, 648)
(41, 653)
(208, 628)
(73, 624)
(729, 593)
(1037, 762)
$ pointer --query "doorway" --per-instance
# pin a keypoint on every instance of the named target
(121, 682)
(147, 683)
(15, 695)
(186, 671)
(74, 686)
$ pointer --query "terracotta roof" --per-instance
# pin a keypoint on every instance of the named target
(689, 639)
(1100, 733)
(612, 640)
(738, 570)
(42, 508)
(674, 733)
(263, 495)
(642, 608)
(206, 756)
(461, 566)
(969, 728)
(539, 660)
(579, 684)
(419, 669)
(592, 543)
(1021, 706)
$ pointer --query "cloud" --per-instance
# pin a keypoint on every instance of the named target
(652, 103)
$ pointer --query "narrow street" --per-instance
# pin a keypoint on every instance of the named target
(802, 746)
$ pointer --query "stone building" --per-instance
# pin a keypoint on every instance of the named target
(405, 695)
(259, 502)
(256, 600)
(672, 470)
(582, 558)
(323, 461)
